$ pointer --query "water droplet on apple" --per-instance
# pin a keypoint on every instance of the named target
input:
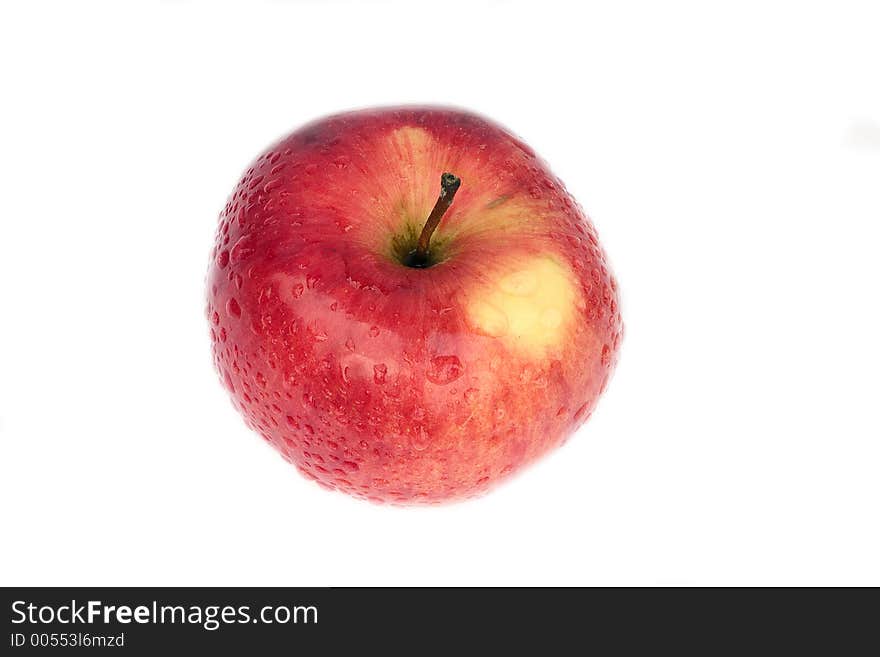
(444, 369)
(242, 249)
(535, 192)
(349, 344)
(420, 438)
(215, 318)
(342, 161)
(606, 356)
(274, 183)
(223, 259)
(380, 371)
(471, 395)
(297, 290)
(374, 331)
(265, 294)
(233, 308)
(227, 379)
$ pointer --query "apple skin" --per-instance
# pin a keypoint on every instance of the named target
(392, 383)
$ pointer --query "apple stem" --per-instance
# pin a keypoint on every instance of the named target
(449, 184)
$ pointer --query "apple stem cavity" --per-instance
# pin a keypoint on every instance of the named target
(419, 257)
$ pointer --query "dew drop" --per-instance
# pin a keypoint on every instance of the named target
(420, 439)
(233, 308)
(223, 259)
(374, 331)
(242, 249)
(380, 372)
(606, 356)
(265, 294)
(273, 184)
(444, 369)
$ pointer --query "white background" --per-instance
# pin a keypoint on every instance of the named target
(730, 158)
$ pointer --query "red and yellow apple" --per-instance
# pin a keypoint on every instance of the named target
(400, 362)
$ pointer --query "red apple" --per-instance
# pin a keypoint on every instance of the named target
(400, 374)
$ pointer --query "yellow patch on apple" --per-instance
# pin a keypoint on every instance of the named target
(529, 306)
(411, 139)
